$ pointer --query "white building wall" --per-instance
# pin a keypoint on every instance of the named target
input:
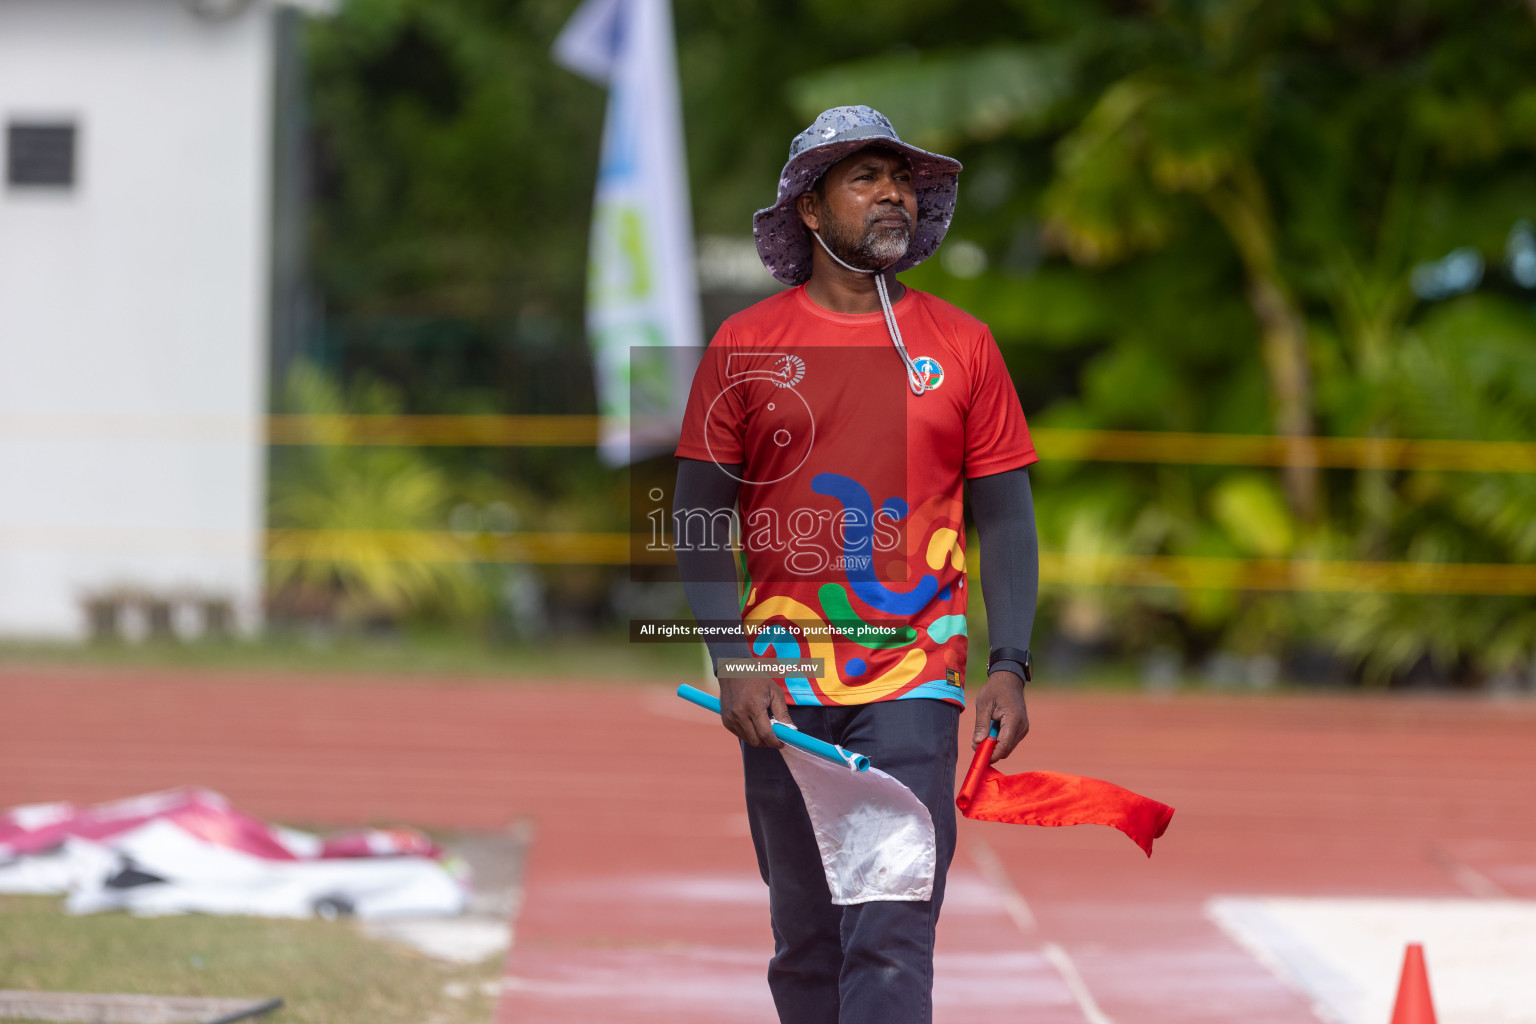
(133, 308)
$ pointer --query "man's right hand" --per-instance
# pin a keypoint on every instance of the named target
(747, 706)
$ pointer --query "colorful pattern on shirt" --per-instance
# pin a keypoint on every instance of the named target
(851, 515)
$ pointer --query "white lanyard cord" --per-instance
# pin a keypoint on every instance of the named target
(914, 377)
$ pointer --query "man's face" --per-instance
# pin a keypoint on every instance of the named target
(866, 210)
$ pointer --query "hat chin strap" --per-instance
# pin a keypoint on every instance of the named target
(914, 378)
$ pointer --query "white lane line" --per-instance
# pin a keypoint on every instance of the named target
(1068, 970)
(1469, 878)
(997, 877)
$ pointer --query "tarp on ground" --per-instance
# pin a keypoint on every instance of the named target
(188, 850)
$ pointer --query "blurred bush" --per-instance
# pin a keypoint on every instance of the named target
(356, 532)
(1466, 370)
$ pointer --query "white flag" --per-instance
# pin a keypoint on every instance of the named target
(641, 291)
(875, 836)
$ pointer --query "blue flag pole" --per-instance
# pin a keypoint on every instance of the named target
(793, 737)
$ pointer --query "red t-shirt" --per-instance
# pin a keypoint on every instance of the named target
(850, 505)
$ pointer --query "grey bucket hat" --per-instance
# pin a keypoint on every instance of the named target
(784, 244)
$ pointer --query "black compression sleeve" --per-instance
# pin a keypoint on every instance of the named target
(1010, 558)
(705, 498)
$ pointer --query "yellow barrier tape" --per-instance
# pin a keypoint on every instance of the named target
(1272, 450)
(1304, 575)
(581, 431)
(1053, 443)
(1056, 568)
(511, 548)
(464, 431)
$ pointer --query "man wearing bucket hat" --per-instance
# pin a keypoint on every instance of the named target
(843, 416)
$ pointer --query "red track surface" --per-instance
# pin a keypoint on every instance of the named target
(643, 902)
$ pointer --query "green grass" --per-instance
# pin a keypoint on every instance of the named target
(595, 657)
(326, 971)
(445, 655)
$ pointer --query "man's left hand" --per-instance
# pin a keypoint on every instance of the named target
(1001, 700)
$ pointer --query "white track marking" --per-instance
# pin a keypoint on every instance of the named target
(1346, 954)
(997, 877)
(1469, 878)
(1068, 970)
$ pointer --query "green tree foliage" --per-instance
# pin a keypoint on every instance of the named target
(1245, 190)
(454, 162)
(1467, 371)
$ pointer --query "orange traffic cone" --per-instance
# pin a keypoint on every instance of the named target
(1413, 1003)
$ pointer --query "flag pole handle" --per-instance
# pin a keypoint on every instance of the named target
(980, 765)
(793, 737)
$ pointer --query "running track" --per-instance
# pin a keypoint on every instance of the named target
(643, 902)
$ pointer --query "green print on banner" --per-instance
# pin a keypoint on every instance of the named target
(618, 272)
(648, 381)
(619, 283)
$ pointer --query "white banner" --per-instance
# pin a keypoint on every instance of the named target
(641, 286)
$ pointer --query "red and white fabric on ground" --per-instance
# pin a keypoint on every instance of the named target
(188, 850)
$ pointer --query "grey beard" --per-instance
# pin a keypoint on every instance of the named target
(876, 249)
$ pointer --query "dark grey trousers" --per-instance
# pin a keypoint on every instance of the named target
(871, 963)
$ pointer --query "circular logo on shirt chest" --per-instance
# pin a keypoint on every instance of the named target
(929, 372)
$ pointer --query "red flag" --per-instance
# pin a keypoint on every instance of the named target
(1051, 798)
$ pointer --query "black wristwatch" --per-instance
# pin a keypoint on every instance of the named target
(1012, 654)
